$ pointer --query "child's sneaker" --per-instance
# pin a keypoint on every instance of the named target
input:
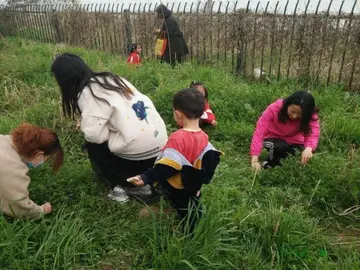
(144, 191)
(119, 195)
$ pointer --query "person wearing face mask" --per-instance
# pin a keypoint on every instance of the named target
(28, 146)
(287, 125)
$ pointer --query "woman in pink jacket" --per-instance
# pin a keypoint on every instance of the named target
(285, 126)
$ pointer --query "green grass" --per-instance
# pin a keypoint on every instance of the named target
(285, 218)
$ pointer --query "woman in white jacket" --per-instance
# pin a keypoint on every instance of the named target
(124, 133)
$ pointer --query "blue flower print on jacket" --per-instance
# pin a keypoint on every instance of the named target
(140, 110)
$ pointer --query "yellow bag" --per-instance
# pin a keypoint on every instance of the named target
(160, 46)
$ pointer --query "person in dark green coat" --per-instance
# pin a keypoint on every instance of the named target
(176, 48)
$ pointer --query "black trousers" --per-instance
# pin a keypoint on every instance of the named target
(279, 149)
(187, 206)
(112, 169)
(173, 59)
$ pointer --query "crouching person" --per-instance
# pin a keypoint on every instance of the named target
(187, 160)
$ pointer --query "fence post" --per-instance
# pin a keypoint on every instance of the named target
(56, 24)
(127, 30)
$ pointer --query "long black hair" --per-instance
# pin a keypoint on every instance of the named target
(307, 104)
(163, 11)
(193, 84)
(72, 75)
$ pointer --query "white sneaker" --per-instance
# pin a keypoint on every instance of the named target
(139, 191)
(119, 195)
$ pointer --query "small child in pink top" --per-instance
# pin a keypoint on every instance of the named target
(285, 126)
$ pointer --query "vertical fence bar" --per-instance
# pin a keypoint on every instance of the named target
(225, 33)
(99, 26)
(65, 14)
(312, 40)
(272, 38)
(43, 22)
(102, 27)
(218, 26)
(184, 19)
(28, 21)
(33, 25)
(97, 33)
(335, 41)
(302, 34)
(105, 25)
(15, 16)
(55, 24)
(205, 31)
(122, 28)
(11, 21)
(282, 39)
(254, 40)
(147, 31)
(245, 42)
(134, 23)
(263, 38)
(292, 39)
(85, 15)
(112, 28)
(77, 38)
(191, 34)
(233, 41)
(211, 27)
(117, 30)
(124, 25)
(36, 21)
(197, 31)
(114, 14)
(355, 56)
(92, 18)
(139, 23)
(346, 40)
(40, 23)
(150, 42)
(127, 29)
(48, 23)
(323, 40)
(22, 22)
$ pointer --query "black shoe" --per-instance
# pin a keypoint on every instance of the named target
(266, 165)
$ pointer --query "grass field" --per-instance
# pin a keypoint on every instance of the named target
(291, 217)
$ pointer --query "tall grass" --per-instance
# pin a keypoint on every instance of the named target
(285, 218)
(45, 244)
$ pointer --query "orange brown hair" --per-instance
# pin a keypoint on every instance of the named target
(29, 139)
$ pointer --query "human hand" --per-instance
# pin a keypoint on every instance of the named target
(136, 181)
(47, 208)
(214, 123)
(256, 165)
(157, 31)
(306, 155)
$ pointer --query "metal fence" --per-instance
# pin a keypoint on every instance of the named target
(317, 46)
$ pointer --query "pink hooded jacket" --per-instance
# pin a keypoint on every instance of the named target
(269, 126)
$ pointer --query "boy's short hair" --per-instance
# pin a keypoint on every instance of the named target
(190, 102)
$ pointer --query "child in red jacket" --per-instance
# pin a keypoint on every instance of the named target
(208, 116)
(134, 57)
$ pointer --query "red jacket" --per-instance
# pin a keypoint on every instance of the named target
(208, 116)
(134, 58)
